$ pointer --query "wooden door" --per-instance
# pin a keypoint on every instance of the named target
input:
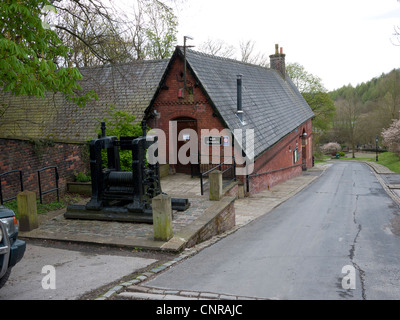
(185, 123)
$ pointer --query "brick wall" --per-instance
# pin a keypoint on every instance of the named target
(277, 164)
(216, 220)
(169, 106)
(32, 156)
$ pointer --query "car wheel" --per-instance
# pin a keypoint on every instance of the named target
(5, 277)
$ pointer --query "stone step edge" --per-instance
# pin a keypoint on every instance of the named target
(142, 292)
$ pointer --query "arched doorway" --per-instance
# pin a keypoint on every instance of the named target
(182, 124)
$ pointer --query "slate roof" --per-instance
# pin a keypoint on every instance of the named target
(272, 106)
(130, 87)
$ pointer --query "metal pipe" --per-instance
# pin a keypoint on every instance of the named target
(239, 97)
(184, 53)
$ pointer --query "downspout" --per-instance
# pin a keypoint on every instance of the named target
(239, 111)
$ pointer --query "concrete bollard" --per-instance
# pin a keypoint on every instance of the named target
(215, 179)
(162, 218)
(27, 211)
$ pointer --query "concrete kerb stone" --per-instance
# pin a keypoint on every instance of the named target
(378, 170)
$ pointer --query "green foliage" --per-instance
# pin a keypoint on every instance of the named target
(315, 94)
(323, 107)
(47, 207)
(82, 177)
(368, 91)
(121, 124)
(390, 160)
(161, 31)
(28, 51)
(377, 104)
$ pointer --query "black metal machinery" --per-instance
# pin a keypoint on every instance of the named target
(117, 195)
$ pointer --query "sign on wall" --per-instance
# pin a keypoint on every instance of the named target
(217, 141)
(213, 141)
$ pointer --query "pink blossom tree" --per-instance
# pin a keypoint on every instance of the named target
(391, 137)
(331, 148)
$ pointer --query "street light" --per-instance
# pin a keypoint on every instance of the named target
(377, 140)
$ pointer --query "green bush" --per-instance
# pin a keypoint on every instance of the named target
(121, 124)
(82, 177)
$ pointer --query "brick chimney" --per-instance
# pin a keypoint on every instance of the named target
(277, 61)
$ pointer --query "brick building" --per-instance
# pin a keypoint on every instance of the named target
(206, 93)
(228, 94)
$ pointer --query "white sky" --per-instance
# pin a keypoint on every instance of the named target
(341, 41)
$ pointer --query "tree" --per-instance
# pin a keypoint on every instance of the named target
(380, 99)
(94, 35)
(218, 48)
(331, 148)
(161, 30)
(389, 102)
(248, 55)
(391, 137)
(246, 51)
(315, 94)
(29, 51)
(346, 123)
(102, 33)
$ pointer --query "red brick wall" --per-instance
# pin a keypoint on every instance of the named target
(28, 157)
(169, 106)
(277, 164)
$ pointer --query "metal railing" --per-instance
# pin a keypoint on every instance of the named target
(41, 193)
(20, 181)
(230, 167)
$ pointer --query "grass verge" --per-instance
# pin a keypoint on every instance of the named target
(47, 207)
(390, 160)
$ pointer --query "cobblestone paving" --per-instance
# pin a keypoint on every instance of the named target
(60, 226)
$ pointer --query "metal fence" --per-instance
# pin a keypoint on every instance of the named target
(2, 200)
(228, 169)
(41, 193)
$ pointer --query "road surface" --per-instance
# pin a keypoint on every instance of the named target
(65, 271)
(337, 239)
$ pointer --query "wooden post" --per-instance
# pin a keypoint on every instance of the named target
(162, 218)
(215, 179)
(27, 211)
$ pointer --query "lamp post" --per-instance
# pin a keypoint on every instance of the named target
(377, 140)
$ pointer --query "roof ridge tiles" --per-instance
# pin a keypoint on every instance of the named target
(226, 59)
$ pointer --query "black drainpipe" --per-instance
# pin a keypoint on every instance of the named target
(239, 98)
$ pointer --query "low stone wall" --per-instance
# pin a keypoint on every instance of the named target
(217, 219)
(234, 189)
(83, 188)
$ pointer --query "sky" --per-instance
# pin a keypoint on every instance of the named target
(342, 42)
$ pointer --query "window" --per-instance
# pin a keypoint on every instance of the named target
(296, 155)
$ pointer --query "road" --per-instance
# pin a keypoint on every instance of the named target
(80, 271)
(337, 239)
